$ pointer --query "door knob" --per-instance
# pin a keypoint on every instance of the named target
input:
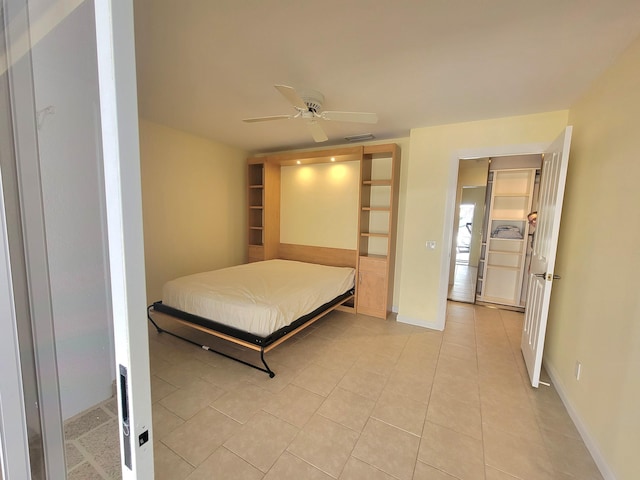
(547, 276)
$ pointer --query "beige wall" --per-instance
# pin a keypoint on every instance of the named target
(319, 204)
(194, 205)
(429, 199)
(595, 311)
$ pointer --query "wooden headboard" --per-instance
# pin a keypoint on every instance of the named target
(336, 257)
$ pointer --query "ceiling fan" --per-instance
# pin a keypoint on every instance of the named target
(308, 105)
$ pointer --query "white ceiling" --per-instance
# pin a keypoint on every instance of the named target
(204, 65)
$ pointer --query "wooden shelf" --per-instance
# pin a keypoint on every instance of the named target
(379, 175)
(263, 200)
(376, 209)
(375, 256)
(377, 183)
(373, 234)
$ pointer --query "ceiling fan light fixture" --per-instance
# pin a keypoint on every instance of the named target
(308, 106)
(360, 138)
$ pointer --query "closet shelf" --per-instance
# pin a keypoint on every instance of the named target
(504, 252)
(500, 239)
(502, 267)
(502, 263)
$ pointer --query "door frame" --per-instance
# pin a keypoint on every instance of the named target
(450, 204)
(123, 193)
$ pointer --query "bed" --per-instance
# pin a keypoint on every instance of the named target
(256, 305)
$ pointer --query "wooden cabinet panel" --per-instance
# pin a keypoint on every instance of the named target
(372, 291)
(256, 253)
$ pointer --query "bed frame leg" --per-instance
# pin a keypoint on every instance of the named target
(267, 369)
(151, 319)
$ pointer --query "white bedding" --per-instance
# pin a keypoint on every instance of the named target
(259, 297)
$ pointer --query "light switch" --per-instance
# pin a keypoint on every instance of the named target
(431, 244)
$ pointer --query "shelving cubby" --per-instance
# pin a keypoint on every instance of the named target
(379, 176)
(504, 248)
(263, 182)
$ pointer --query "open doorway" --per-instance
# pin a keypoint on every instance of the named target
(466, 253)
(465, 231)
(493, 270)
(468, 225)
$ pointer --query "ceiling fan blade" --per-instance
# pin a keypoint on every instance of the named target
(359, 117)
(316, 131)
(292, 96)
(266, 119)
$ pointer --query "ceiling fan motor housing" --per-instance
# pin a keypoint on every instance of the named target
(313, 100)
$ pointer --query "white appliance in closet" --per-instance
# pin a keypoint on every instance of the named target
(506, 240)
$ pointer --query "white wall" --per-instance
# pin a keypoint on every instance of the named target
(65, 76)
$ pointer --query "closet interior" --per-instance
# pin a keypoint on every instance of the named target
(490, 260)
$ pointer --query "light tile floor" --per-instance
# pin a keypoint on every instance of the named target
(464, 284)
(353, 398)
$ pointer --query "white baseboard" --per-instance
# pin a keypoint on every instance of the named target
(591, 445)
(419, 322)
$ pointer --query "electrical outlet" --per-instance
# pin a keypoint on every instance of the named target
(578, 370)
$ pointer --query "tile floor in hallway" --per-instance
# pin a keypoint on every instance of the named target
(353, 398)
(464, 284)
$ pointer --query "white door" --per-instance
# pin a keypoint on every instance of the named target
(543, 257)
(121, 156)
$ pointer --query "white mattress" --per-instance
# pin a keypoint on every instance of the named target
(259, 297)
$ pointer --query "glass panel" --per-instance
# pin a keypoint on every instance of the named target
(69, 143)
(18, 267)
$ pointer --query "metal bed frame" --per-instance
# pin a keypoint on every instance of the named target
(241, 337)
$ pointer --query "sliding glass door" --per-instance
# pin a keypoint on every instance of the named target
(72, 293)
